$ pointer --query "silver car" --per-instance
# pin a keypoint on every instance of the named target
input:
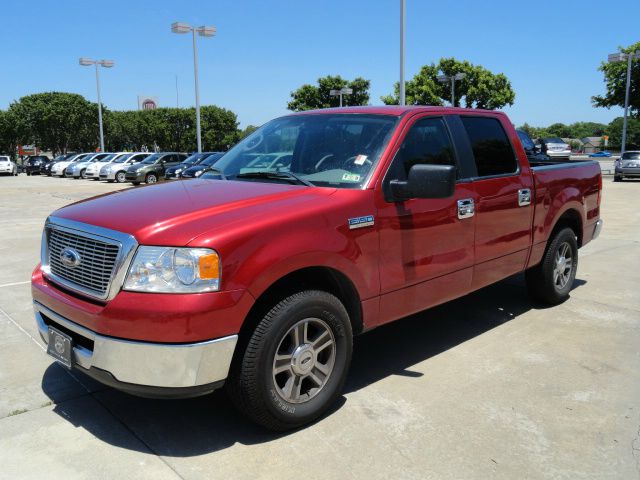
(116, 170)
(78, 168)
(555, 147)
(628, 165)
(93, 169)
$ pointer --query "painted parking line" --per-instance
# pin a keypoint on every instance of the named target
(15, 283)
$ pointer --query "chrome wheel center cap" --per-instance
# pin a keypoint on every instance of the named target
(303, 360)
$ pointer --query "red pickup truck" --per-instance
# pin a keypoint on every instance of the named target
(317, 227)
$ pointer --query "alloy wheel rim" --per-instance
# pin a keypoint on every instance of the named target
(563, 265)
(151, 179)
(304, 360)
(120, 177)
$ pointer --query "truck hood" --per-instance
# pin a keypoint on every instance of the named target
(177, 212)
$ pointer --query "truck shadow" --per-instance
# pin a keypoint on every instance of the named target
(191, 427)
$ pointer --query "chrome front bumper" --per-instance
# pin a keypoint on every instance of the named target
(597, 229)
(160, 365)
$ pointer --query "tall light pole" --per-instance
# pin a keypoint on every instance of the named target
(452, 79)
(621, 57)
(180, 27)
(85, 62)
(340, 93)
(402, 24)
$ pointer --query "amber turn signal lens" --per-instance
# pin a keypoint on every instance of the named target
(209, 266)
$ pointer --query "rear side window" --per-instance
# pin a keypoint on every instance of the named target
(428, 143)
(491, 148)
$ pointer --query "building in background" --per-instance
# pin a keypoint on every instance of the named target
(146, 102)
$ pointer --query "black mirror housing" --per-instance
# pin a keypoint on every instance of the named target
(425, 181)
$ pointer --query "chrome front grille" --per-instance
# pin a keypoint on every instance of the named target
(97, 260)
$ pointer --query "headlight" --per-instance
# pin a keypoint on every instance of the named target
(198, 173)
(174, 270)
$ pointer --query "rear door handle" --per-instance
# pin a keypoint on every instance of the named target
(524, 197)
(466, 208)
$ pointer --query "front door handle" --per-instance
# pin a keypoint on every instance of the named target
(524, 197)
(466, 208)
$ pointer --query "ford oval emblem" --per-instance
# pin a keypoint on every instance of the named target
(70, 257)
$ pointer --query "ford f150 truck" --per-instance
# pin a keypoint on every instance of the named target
(317, 227)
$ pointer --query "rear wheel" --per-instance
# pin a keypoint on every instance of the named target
(82, 173)
(295, 363)
(151, 178)
(136, 183)
(551, 281)
(617, 178)
(120, 177)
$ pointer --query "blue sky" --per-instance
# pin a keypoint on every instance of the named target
(265, 49)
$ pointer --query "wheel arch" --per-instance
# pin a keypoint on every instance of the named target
(572, 219)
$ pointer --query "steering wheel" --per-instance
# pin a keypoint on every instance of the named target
(255, 142)
(321, 161)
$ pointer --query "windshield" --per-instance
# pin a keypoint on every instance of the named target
(631, 156)
(4, 159)
(122, 158)
(152, 159)
(553, 140)
(336, 150)
(211, 159)
(106, 159)
(195, 158)
(80, 157)
(59, 158)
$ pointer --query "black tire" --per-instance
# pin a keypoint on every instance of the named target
(120, 177)
(82, 172)
(110, 181)
(617, 178)
(136, 183)
(542, 283)
(252, 383)
(151, 178)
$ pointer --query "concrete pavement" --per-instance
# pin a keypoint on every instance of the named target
(488, 386)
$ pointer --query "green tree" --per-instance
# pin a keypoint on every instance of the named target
(587, 129)
(614, 131)
(559, 130)
(56, 121)
(615, 78)
(480, 88)
(8, 137)
(248, 131)
(310, 97)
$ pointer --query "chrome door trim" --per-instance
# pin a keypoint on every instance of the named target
(466, 208)
(524, 197)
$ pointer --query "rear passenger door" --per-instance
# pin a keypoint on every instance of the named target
(503, 209)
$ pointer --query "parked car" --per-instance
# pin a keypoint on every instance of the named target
(555, 147)
(152, 168)
(78, 169)
(45, 168)
(602, 154)
(628, 165)
(7, 166)
(34, 163)
(261, 281)
(533, 153)
(173, 173)
(116, 170)
(93, 169)
(59, 168)
(198, 169)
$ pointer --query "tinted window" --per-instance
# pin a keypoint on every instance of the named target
(527, 143)
(553, 140)
(491, 148)
(631, 156)
(426, 143)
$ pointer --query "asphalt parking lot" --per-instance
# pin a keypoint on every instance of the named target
(488, 386)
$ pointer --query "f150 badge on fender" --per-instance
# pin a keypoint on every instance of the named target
(359, 222)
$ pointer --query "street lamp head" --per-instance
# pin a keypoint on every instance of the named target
(85, 62)
(617, 57)
(106, 63)
(206, 31)
(443, 78)
(334, 93)
(460, 76)
(180, 27)
(346, 91)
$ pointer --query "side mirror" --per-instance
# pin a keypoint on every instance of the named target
(425, 181)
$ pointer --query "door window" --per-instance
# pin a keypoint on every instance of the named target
(491, 148)
(427, 142)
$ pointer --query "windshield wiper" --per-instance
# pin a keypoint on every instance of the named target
(277, 176)
(215, 170)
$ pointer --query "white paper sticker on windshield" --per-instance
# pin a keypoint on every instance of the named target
(351, 177)
(360, 159)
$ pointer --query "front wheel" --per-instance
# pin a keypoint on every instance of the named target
(294, 365)
(551, 281)
(121, 177)
(617, 178)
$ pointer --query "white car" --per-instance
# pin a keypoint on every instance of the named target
(93, 169)
(78, 168)
(59, 168)
(555, 147)
(116, 170)
(7, 167)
